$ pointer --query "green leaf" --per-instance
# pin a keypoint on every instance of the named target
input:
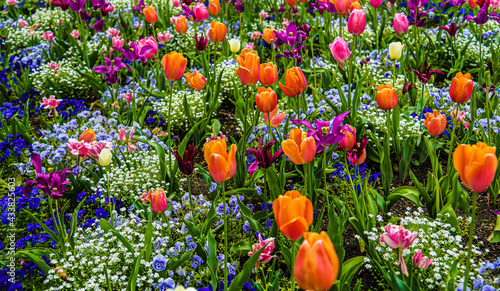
(105, 225)
(52, 234)
(386, 165)
(74, 223)
(247, 214)
(176, 262)
(125, 242)
(212, 260)
(241, 248)
(407, 192)
(133, 277)
(449, 215)
(239, 281)
(35, 259)
(350, 268)
(148, 236)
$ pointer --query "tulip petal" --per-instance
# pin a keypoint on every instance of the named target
(292, 151)
(480, 175)
(218, 167)
(295, 228)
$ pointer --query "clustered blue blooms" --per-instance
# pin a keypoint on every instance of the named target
(485, 280)
(12, 145)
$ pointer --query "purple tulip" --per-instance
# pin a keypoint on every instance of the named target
(110, 68)
(186, 163)
(200, 43)
(134, 54)
(98, 26)
(424, 72)
(53, 184)
(76, 5)
(263, 157)
(452, 30)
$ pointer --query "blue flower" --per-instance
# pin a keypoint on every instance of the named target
(101, 213)
(196, 261)
(159, 263)
(167, 284)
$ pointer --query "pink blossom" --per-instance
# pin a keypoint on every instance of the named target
(22, 23)
(494, 4)
(256, 35)
(107, 9)
(177, 3)
(11, 2)
(200, 12)
(397, 237)
(48, 36)
(268, 246)
(149, 41)
(113, 32)
(54, 67)
(263, 15)
(285, 24)
(78, 148)
(35, 26)
(340, 50)
(96, 147)
(50, 103)
(127, 138)
(75, 33)
(164, 37)
(117, 41)
(250, 46)
(421, 261)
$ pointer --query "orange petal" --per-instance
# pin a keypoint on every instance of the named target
(218, 167)
(292, 151)
(308, 149)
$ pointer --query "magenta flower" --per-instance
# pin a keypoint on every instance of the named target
(421, 261)
(135, 53)
(110, 68)
(263, 157)
(424, 72)
(53, 184)
(398, 238)
(200, 43)
(452, 29)
(357, 155)
(268, 246)
(186, 163)
(76, 5)
(333, 134)
(78, 148)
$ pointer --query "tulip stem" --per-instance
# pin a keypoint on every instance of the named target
(293, 265)
(450, 153)
(471, 234)
(190, 199)
(324, 175)
(265, 204)
(225, 235)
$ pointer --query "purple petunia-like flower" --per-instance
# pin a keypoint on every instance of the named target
(53, 184)
(110, 68)
(332, 136)
(263, 157)
(133, 53)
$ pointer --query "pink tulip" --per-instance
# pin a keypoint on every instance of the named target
(95, 148)
(421, 261)
(117, 41)
(50, 103)
(113, 32)
(177, 3)
(123, 137)
(264, 15)
(376, 3)
(48, 36)
(340, 50)
(200, 12)
(22, 23)
(494, 4)
(164, 37)
(398, 238)
(265, 256)
(150, 41)
(54, 67)
(250, 46)
(75, 33)
(11, 2)
(400, 23)
(78, 148)
(158, 201)
(128, 97)
(35, 26)
(357, 22)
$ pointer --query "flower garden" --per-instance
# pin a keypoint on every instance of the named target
(250, 145)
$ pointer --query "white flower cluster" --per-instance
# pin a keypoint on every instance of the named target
(408, 126)
(47, 18)
(19, 38)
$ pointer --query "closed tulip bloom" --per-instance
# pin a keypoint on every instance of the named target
(274, 118)
(387, 98)
(104, 157)
(268, 74)
(269, 35)
(395, 50)
(181, 25)
(291, 2)
(158, 201)
(293, 213)
(300, 149)
(150, 14)
(266, 100)
(349, 139)
(342, 6)
(200, 12)
(461, 88)
(234, 45)
(149, 41)
(214, 7)
(221, 164)
(357, 22)
(476, 165)
(217, 31)
(196, 80)
(295, 82)
(249, 69)
(87, 136)
(421, 261)
(376, 3)
(340, 50)
(354, 5)
(174, 65)
(400, 23)
(435, 123)
(317, 264)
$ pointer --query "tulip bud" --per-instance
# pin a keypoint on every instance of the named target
(214, 7)
(150, 14)
(421, 261)
(174, 65)
(395, 50)
(217, 31)
(387, 98)
(461, 88)
(349, 139)
(75, 33)
(268, 74)
(476, 165)
(317, 264)
(87, 136)
(61, 272)
(266, 100)
(295, 82)
(400, 23)
(104, 157)
(234, 45)
(158, 201)
(196, 80)
(293, 213)
(376, 3)
(357, 22)
(200, 12)
(340, 50)
(435, 123)
(181, 24)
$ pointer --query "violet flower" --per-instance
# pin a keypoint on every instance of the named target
(407, 86)
(482, 16)
(98, 25)
(332, 136)
(187, 12)
(76, 5)
(452, 29)
(60, 3)
(424, 72)
(186, 163)
(294, 38)
(357, 154)
(110, 68)
(140, 6)
(200, 43)
(53, 184)
(134, 54)
(322, 6)
(263, 157)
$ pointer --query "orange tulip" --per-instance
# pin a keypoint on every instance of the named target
(295, 82)
(174, 65)
(293, 213)
(354, 5)
(386, 97)
(435, 123)
(214, 7)
(268, 74)
(275, 118)
(349, 139)
(249, 69)
(221, 164)
(217, 31)
(181, 25)
(317, 264)
(476, 165)
(88, 135)
(291, 2)
(269, 35)
(300, 149)
(150, 14)
(461, 88)
(196, 80)
(266, 100)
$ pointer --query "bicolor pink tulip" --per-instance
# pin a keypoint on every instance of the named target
(96, 148)
(113, 32)
(75, 33)
(11, 2)
(398, 238)
(400, 23)
(164, 37)
(255, 35)
(200, 12)
(150, 41)
(340, 50)
(177, 3)
(49, 36)
(22, 23)
(421, 261)
(128, 97)
(117, 41)
(127, 138)
(159, 201)
(78, 148)
(54, 67)
(268, 246)
(50, 103)
(357, 22)
(264, 15)
(376, 3)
